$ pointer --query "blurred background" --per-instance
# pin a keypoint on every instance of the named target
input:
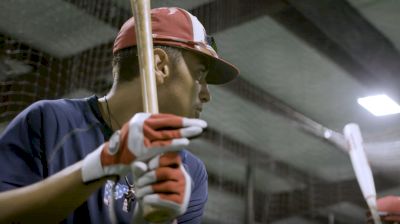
(274, 150)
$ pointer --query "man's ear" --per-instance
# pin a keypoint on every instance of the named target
(161, 61)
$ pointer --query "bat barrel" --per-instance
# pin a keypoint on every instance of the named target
(141, 12)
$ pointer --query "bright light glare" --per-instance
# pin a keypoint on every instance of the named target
(379, 105)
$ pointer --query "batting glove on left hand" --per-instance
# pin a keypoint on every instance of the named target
(140, 139)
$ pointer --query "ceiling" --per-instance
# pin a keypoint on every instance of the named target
(303, 65)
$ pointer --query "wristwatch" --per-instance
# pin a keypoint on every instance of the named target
(113, 143)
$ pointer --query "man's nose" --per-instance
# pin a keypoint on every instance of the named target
(204, 93)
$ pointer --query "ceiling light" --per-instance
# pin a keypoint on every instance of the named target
(379, 105)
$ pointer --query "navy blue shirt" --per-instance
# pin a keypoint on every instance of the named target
(52, 134)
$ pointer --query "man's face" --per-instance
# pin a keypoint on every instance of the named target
(186, 90)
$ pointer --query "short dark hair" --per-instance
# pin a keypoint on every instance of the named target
(125, 62)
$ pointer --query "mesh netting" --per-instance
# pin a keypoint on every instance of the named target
(29, 75)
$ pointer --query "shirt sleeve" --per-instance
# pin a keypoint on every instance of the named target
(199, 192)
(20, 154)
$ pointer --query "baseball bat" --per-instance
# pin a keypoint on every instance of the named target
(142, 16)
(141, 13)
(361, 168)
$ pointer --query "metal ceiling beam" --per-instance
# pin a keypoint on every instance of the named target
(347, 30)
(298, 25)
(115, 15)
(219, 15)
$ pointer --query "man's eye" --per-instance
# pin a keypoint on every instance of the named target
(202, 74)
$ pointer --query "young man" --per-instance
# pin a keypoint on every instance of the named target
(50, 138)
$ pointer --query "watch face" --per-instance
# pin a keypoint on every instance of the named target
(113, 144)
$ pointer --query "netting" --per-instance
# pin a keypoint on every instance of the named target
(245, 185)
(30, 75)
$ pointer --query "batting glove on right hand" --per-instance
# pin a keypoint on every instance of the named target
(140, 139)
(163, 186)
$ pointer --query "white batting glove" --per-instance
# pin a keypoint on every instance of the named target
(140, 139)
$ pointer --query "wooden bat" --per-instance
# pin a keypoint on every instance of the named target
(141, 13)
(361, 168)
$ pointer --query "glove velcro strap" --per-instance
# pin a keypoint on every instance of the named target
(92, 168)
(143, 191)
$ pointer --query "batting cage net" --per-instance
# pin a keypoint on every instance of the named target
(63, 49)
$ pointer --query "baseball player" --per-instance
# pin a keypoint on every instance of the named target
(68, 160)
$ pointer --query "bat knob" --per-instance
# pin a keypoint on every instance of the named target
(157, 214)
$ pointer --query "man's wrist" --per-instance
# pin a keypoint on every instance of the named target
(91, 167)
